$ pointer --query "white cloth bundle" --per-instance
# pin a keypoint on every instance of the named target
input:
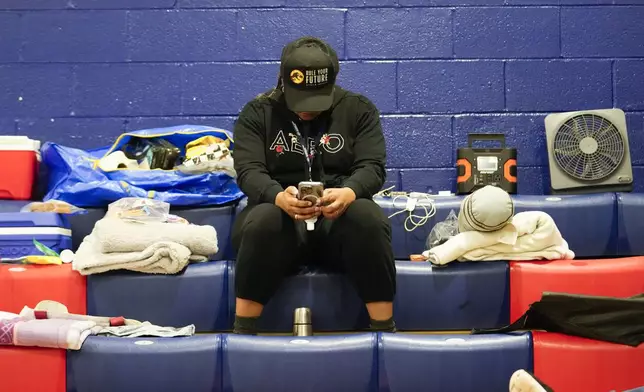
(531, 235)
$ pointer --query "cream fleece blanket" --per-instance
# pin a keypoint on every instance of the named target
(531, 235)
(155, 248)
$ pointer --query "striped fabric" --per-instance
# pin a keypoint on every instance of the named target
(488, 209)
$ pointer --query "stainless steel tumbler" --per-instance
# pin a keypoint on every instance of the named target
(302, 322)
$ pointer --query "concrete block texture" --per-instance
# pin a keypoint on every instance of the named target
(399, 33)
(79, 72)
(450, 86)
(114, 90)
(629, 84)
(79, 36)
(262, 33)
(36, 90)
(185, 35)
(602, 31)
(418, 141)
(499, 32)
(558, 85)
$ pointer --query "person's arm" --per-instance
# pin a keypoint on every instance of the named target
(250, 157)
(368, 170)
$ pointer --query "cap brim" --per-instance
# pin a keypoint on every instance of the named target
(317, 100)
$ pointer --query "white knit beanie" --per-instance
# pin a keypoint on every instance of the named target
(487, 209)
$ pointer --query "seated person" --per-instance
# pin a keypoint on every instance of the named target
(309, 129)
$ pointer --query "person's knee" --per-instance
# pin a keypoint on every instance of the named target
(263, 220)
(365, 215)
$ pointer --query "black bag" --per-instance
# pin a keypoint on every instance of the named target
(615, 320)
(159, 153)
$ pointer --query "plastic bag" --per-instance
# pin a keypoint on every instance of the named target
(142, 210)
(75, 176)
(211, 158)
(55, 206)
(139, 209)
(443, 231)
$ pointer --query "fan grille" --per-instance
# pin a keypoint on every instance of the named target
(588, 147)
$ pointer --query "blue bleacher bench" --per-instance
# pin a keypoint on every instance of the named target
(109, 364)
(312, 364)
(630, 218)
(458, 296)
(451, 362)
(198, 295)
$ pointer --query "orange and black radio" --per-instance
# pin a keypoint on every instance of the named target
(478, 167)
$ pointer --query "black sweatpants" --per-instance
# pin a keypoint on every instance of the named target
(270, 245)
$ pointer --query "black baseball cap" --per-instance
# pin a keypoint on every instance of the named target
(308, 69)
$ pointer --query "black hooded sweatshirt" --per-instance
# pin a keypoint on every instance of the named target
(347, 142)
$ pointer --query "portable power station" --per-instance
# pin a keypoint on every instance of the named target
(478, 167)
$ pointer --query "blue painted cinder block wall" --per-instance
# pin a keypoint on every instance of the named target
(79, 72)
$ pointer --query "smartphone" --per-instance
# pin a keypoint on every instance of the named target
(310, 191)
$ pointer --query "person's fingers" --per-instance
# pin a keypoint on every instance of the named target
(335, 214)
(291, 190)
(296, 203)
(312, 199)
(331, 208)
(328, 197)
(304, 211)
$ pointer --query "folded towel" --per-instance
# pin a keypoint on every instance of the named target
(532, 235)
(157, 258)
(117, 235)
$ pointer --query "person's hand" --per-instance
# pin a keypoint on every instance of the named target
(298, 209)
(335, 201)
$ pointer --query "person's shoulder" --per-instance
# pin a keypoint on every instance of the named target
(257, 107)
(260, 101)
(353, 101)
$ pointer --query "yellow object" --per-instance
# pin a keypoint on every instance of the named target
(43, 260)
(200, 146)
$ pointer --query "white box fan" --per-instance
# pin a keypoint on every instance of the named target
(588, 152)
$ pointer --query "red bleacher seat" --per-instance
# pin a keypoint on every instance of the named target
(620, 277)
(573, 364)
(26, 285)
(32, 369)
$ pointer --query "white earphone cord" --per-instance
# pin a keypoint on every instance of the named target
(410, 206)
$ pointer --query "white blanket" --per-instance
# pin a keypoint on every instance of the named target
(531, 235)
(155, 248)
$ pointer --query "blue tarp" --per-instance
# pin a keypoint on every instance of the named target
(74, 176)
